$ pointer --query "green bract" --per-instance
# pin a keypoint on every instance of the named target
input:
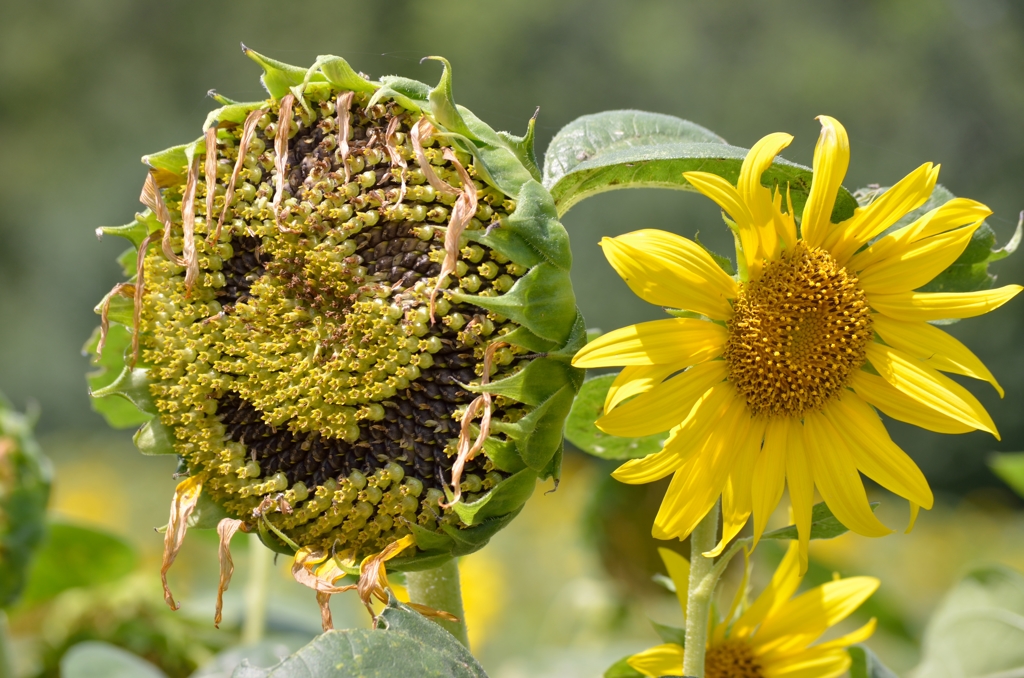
(24, 491)
(310, 349)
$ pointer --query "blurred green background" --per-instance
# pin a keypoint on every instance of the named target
(89, 86)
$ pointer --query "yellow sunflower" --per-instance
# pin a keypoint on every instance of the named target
(772, 638)
(775, 380)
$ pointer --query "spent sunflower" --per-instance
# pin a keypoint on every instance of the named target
(774, 380)
(351, 318)
(774, 636)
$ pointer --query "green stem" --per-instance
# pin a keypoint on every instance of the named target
(260, 562)
(6, 659)
(698, 601)
(440, 589)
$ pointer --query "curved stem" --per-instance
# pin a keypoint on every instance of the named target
(260, 562)
(700, 590)
(440, 589)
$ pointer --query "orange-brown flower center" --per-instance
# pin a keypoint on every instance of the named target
(798, 333)
(731, 659)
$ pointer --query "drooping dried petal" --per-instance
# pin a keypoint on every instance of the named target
(140, 287)
(466, 451)
(186, 495)
(324, 601)
(188, 225)
(343, 109)
(152, 199)
(284, 122)
(464, 210)
(210, 174)
(395, 155)
(248, 129)
(373, 576)
(226, 529)
(420, 131)
(122, 289)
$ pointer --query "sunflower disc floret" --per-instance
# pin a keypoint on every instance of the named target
(335, 318)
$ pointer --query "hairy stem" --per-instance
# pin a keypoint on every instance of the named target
(440, 589)
(700, 590)
(260, 563)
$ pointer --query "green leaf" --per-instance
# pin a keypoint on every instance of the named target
(132, 385)
(867, 665)
(506, 496)
(523, 146)
(278, 77)
(581, 431)
(404, 644)
(637, 149)
(978, 629)
(824, 525)
(74, 556)
(442, 103)
(153, 438)
(340, 74)
(118, 412)
(622, 669)
(1010, 467)
(670, 634)
(96, 659)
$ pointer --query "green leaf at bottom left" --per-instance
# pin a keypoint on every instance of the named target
(404, 644)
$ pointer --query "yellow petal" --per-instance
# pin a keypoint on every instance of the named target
(929, 387)
(800, 482)
(679, 571)
(736, 494)
(852, 638)
(683, 253)
(678, 341)
(917, 264)
(800, 621)
(635, 379)
(837, 478)
(907, 195)
(662, 660)
(898, 405)
(784, 584)
(831, 158)
(812, 663)
(666, 405)
(769, 474)
(684, 441)
(942, 305)
(729, 199)
(665, 282)
(953, 214)
(696, 486)
(933, 347)
(874, 453)
(758, 198)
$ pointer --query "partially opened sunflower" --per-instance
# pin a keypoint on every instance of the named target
(776, 380)
(774, 636)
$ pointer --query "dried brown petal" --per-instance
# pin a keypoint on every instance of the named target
(122, 289)
(226, 529)
(284, 122)
(140, 287)
(420, 131)
(210, 173)
(343, 108)
(248, 130)
(393, 153)
(188, 226)
(462, 212)
(186, 495)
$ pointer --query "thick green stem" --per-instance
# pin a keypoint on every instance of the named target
(6, 660)
(700, 590)
(260, 562)
(440, 589)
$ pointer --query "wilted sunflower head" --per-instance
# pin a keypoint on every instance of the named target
(352, 316)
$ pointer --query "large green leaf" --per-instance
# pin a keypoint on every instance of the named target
(867, 665)
(74, 556)
(1010, 467)
(581, 431)
(404, 644)
(978, 629)
(637, 149)
(824, 525)
(96, 659)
